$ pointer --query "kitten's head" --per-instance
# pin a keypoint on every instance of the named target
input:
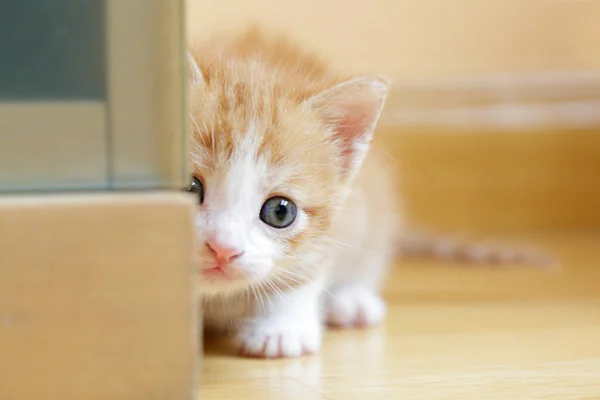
(271, 166)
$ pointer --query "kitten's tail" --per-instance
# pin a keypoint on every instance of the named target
(419, 244)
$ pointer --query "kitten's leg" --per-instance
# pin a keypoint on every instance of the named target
(285, 325)
(353, 298)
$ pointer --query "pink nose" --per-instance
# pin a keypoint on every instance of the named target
(223, 254)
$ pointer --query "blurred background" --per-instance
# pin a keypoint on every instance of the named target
(494, 114)
(493, 122)
(426, 39)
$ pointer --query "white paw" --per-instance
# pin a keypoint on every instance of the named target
(354, 306)
(279, 340)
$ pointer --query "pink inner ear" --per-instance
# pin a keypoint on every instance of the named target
(352, 109)
(354, 131)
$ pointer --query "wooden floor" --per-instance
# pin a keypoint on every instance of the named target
(453, 332)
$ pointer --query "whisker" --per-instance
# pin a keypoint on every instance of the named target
(265, 296)
(301, 278)
(280, 280)
(258, 298)
(274, 288)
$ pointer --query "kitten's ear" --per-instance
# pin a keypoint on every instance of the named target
(195, 74)
(352, 109)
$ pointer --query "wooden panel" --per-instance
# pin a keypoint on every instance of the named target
(95, 298)
(425, 39)
(498, 182)
(487, 155)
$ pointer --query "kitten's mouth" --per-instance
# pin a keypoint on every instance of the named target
(215, 272)
(218, 272)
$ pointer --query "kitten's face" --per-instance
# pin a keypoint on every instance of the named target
(269, 174)
(267, 191)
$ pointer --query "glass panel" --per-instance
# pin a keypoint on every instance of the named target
(146, 94)
(53, 145)
(53, 133)
(52, 49)
(91, 98)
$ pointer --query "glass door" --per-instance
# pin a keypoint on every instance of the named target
(92, 95)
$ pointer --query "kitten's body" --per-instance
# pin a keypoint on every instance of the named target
(271, 121)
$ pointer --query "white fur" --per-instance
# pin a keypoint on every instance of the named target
(286, 327)
(354, 305)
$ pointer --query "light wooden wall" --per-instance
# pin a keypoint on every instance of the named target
(498, 182)
(426, 38)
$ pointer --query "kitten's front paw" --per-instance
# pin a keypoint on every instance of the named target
(354, 306)
(279, 340)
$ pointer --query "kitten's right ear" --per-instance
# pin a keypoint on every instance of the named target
(351, 110)
(195, 74)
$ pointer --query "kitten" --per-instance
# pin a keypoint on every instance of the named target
(297, 219)
(291, 207)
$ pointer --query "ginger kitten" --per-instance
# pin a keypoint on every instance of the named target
(297, 219)
(296, 214)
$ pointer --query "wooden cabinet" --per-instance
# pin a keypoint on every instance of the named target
(96, 236)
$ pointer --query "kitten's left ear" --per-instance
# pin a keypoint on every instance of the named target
(194, 73)
(352, 109)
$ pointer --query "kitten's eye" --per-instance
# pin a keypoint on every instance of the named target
(197, 188)
(278, 212)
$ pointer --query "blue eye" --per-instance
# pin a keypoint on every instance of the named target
(197, 188)
(278, 212)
